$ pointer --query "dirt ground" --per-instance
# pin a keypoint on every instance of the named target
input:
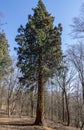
(25, 123)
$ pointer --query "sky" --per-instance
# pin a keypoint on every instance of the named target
(15, 13)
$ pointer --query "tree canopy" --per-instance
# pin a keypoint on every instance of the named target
(5, 59)
(39, 39)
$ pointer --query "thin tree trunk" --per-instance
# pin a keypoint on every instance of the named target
(67, 108)
(32, 104)
(52, 105)
(83, 91)
(8, 102)
(8, 107)
(63, 105)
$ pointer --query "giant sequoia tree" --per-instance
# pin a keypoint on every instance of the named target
(39, 52)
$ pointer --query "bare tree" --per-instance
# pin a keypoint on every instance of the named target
(76, 56)
(78, 25)
(64, 78)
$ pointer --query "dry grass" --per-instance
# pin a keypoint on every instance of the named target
(19, 124)
(25, 123)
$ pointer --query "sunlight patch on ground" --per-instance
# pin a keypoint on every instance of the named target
(47, 128)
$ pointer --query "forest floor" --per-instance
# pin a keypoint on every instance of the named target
(25, 123)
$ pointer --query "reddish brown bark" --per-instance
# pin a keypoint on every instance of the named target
(40, 100)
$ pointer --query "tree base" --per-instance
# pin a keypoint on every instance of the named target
(40, 123)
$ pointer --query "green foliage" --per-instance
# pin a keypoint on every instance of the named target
(4, 55)
(39, 45)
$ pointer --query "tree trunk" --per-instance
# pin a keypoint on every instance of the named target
(40, 100)
(8, 103)
(52, 105)
(63, 105)
(67, 108)
(83, 91)
(32, 104)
